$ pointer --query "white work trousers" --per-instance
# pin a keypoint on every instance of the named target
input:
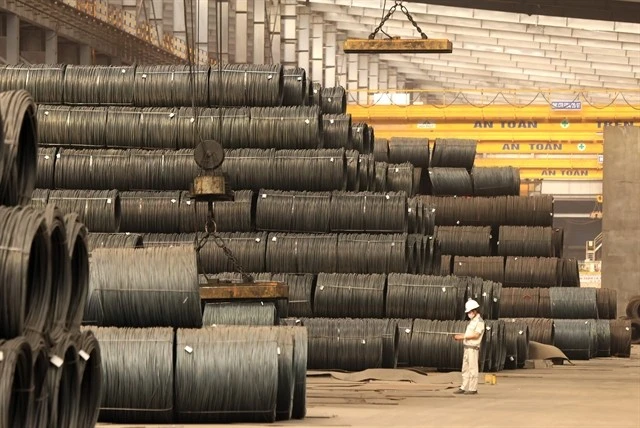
(470, 370)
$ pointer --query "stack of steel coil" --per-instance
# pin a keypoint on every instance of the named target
(489, 268)
(496, 181)
(464, 240)
(333, 100)
(453, 153)
(533, 272)
(429, 297)
(450, 182)
(526, 241)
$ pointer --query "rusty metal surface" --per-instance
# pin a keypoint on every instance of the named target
(240, 291)
(398, 46)
(208, 185)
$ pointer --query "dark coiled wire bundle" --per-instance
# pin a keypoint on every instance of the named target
(464, 240)
(99, 210)
(295, 87)
(146, 287)
(401, 178)
(301, 253)
(18, 150)
(380, 177)
(381, 150)
(150, 212)
(45, 168)
(421, 218)
(349, 295)
(248, 248)
(310, 170)
(541, 330)
(333, 100)
(453, 153)
(544, 272)
(168, 239)
(573, 303)
(366, 172)
(93, 169)
(524, 303)
(170, 85)
(161, 169)
(249, 168)
(99, 84)
(286, 127)
(16, 373)
(607, 302)
(489, 268)
(620, 331)
(294, 211)
(301, 292)
(517, 344)
(315, 95)
(230, 216)
(352, 158)
(570, 273)
(603, 332)
(495, 181)
(140, 389)
(574, 338)
(77, 244)
(475, 211)
(368, 212)
(526, 241)
(529, 210)
(239, 313)
(405, 330)
(63, 383)
(412, 150)
(114, 240)
(40, 363)
(72, 126)
(45, 82)
(445, 267)
(228, 126)
(423, 296)
(336, 131)
(371, 253)
(91, 378)
(246, 85)
(488, 294)
(361, 137)
(432, 344)
(450, 182)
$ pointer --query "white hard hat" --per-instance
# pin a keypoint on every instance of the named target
(470, 305)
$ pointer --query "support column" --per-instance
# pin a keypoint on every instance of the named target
(352, 75)
(330, 53)
(363, 79)
(259, 31)
(304, 38)
(317, 49)
(374, 77)
(289, 39)
(50, 47)
(84, 55)
(201, 32)
(273, 33)
(242, 28)
(13, 39)
(393, 78)
(383, 76)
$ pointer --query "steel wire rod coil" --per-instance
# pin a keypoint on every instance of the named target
(603, 332)
(162, 169)
(573, 303)
(99, 210)
(295, 89)
(114, 240)
(145, 287)
(316, 94)
(339, 295)
(424, 296)
(412, 150)
(137, 373)
(520, 302)
(98, 85)
(446, 262)
(516, 343)
(558, 241)
(433, 346)
(70, 126)
(633, 306)
(91, 378)
(361, 137)
(333, 100)
(77, 246)
(249, 363)
(301, 253)
(540, 329)
(390, 344)
(40, 363)
(543, 272)
(124, 127)
(16, 388)
(620, 331)
(381, 150)
(336, 131)
(229, 126)
(45, 82)
(495, 181)
(368, 212)
(60, 265)
(309, 170)
(250, 249)
(352, 158)
(40, 198)
(45, 167)
(453, 153)
(94, 169)
(286, 128)
(573, 337)
(283, 211)
(474, 241)
(159, 127)
(239, 313)
(168, 239)
(366, 172)
(170, 85)
(63, 383)
(345, 343)
(380, 177)
(371, 253)
(450, 182)
(19, 148)
(301, 292)
(254, 85)
(526, 241)
(488, 294)
(150, 212)
(529, 210)
(405, 330)
(251, 168)
(230, 216)
(570, 273)
(495, 351)
(25, 271)
(604, 298)
(489, 268)
(401, 178)
(477, 211)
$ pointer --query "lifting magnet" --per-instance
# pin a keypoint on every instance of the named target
(397, 45)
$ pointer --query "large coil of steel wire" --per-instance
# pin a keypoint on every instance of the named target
(140, 389)
(352, 158)
(147, 286)
(124, 127)
(450, 182)
(170, 85)
(18, 152)
(162, 169)
(381, 150)
(246, 85)
(349, 295)
(464, 240)
(372, 253)
(45, 167)
(26, 271)
(368, 212)
(150, 212)
(453, 153)
(405, 329)
(400, 178)
(16, 372)
(345, 344)
(40, 363)
(475, 211)
(293, 211)
(248, 248)
(308, 170)
(573, 337)
(603, 332)
(423, 296)
(301, 253)
(230, 216)
(390, 344)
(489, 268)
(620, 331)
(251, 168)
(495, 181)
(333, 100)
(540, 329)
(63, 383)
(301, 292)
(361, 137)
(93, 169)
(380, 177)
(633, 305)
(114, 240)
(529, 210)
(98, 85)
(366, 172)
(336, 131)
(72, 126)
(99, 210)
(45, 82)
(286, 127)
(544, 272)
(426, 254)
(40, 198)
(520, 302)
(432, 344)
(168, 239)
(446, 262)
(487, 294)
(570, 273)
(229, 126)
(516, 343)
(91, 380)
(493, 347)
(249, 390)
(544, 306)
(159, 128)
(315, 97)
(79, 255)
(526, 241)
(239, 313)
(573, 303)
(558, 242)
(295, 87)
(412, 150)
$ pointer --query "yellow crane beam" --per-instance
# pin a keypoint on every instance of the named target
(542, 163)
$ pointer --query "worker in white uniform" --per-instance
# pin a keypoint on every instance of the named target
(471, 340)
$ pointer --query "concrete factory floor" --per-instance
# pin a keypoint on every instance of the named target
(597, 393)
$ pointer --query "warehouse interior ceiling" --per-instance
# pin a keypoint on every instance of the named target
(503, 50)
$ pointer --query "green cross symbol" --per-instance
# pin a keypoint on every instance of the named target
(564, 124)
(582, 147)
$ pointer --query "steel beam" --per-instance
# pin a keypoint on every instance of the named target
(259, 31)
(304, 37)
(13, 39)
(410, 46)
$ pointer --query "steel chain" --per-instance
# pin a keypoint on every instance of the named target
(410, 18)
(391, 11)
